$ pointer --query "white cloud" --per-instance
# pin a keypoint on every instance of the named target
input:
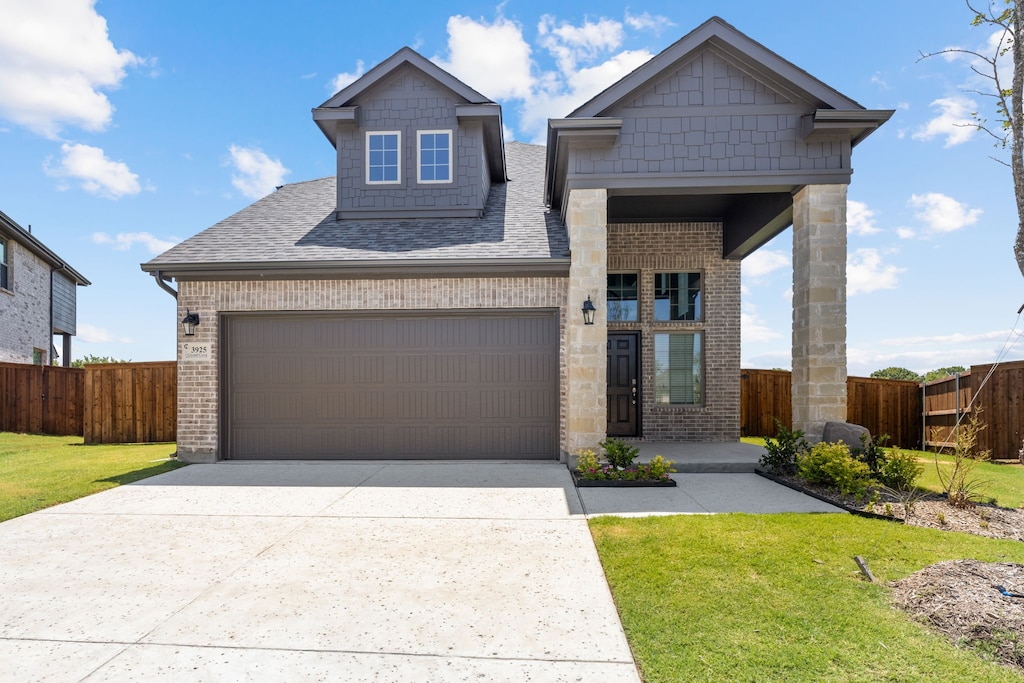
(96, 173)
(97, 335)
(955, 338)
(943, 213)
(123, 241)
(258, 175)
(492, 58)
(570, 44)
(865, 272)
(954, 122)
(343, 80)
(648, 22)
(495, 58)
(753, 328)
(56, 58)
(906, 233)
(860, 220)
(762, 262)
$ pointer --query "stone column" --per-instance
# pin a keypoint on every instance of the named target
(586, 345)
(819, 308)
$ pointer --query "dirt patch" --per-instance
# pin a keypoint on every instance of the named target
(960, 600)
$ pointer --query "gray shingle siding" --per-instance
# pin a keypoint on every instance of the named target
(409, 102)
(708, 116)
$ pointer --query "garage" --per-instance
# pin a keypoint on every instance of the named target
(409, 385)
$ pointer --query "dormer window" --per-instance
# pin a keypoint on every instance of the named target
(383, 161)
(435, 159)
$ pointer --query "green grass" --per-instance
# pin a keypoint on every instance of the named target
(778, 598)
(39, 471)
(1005, 480)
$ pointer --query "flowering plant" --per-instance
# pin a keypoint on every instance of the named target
(589, 467)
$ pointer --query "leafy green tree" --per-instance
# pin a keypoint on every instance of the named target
(939, 373)
(95, 360)
(896, 373)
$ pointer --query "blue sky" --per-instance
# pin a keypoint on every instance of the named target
(127, 126)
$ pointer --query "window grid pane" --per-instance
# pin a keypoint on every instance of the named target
(678, 296)
(435, 164)
(622, 297)
(382, 164)
(677, 368)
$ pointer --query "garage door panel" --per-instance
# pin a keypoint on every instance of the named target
(392, 386)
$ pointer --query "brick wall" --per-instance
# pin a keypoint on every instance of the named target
(198, 381)
(647, 249)
(25, 307)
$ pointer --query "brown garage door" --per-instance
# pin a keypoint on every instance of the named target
(404, 385)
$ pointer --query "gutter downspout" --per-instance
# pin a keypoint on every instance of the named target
(162, 283)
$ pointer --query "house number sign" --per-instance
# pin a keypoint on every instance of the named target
(192, 351)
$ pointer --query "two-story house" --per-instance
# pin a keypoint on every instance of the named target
(38, 298)
(449, 295)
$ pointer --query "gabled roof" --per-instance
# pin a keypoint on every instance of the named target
(406, 55)
(341, 109)
(294, 232)
(10, 229)
(759, 61)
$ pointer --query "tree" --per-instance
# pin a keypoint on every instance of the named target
(1006, 131)
(939, 373)
(896, 373)
(94, 360)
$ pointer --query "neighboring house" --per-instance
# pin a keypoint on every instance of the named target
(426, 301)
(38, 294)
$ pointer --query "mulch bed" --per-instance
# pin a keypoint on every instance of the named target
(619, 483)
(959, 599)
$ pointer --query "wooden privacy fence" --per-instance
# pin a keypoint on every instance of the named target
(884, 406)
(131, 402)
(41, 399)
(1001, 400)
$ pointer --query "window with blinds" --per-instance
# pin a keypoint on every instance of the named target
(678, 370)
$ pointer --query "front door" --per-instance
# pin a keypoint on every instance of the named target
(623, 384)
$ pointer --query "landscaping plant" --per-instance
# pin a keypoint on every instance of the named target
(961, 484)
(782, 452)
(588, 466)
(831, 464)
(619, 453)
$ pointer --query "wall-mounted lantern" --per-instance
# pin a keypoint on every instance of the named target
(588, 311)
(189, 323)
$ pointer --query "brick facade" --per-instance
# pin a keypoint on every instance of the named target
(25, 307)
(647, 249)
(199, 381)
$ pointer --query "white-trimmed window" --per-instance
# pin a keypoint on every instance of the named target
(434, 152)
(383, 157)
(4, 265)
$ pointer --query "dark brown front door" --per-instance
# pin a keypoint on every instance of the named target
(623, 384)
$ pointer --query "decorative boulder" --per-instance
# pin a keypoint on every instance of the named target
(844, 431)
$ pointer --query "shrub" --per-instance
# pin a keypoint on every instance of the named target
(781, 453)
(831, 464)
(899, 470)
(659, 467)
(871, 453)
(619, 453)
(587, 465)
(961, 484)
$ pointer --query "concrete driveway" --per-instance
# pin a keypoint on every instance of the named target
(331, 571)
(312, 571)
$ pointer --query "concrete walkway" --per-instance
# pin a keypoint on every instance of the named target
(331, 571)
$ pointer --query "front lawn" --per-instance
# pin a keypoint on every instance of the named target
(779, 598)
(39, 471)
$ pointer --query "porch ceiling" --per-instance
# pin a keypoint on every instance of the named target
(749, 220)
